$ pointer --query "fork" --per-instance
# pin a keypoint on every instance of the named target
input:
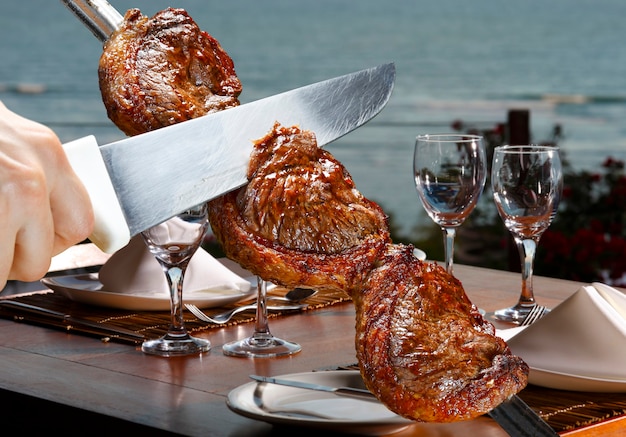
(226, 316)
(535, 314)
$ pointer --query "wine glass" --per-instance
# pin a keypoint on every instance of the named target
(173, 243)
(527, 182)
(261, 344)
(450, 172)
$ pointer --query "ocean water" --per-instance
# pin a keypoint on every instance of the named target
(563, 60)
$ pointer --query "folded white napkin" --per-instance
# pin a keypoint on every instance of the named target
(584, 336)
(134, 270)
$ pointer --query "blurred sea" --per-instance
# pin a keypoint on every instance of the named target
(563, 60)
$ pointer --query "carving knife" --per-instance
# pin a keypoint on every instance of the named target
(513, 415)
(149, 178)
(141, 181)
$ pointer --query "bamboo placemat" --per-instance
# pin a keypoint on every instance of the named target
(569, 410)
(563, 410)
(154, 324)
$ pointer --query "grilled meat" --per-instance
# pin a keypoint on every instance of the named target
(299, 221)
(423, 348)
(158, 71)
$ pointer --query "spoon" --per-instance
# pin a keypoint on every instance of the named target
(295, 295)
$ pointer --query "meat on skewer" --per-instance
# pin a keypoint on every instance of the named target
(423, 348)
(159, 71)
(300, 221)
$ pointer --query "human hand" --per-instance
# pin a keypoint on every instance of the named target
(44, 207)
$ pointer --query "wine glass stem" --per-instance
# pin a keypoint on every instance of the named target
(527, 249)
(261, 325)
(175, 277)
(448, 244)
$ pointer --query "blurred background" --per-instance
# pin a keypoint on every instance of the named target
(460, 66)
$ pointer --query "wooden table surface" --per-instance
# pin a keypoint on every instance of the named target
(52, 380)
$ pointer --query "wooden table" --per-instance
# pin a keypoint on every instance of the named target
(52, 380)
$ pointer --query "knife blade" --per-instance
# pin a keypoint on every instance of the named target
(138, 182)
(340, 391)
(68, 322)
(513, 415)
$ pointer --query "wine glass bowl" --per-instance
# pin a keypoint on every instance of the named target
(173, 243)
(527, 183)
(449, 172)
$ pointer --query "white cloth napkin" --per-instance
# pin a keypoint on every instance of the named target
(134, 270)
(584, 336)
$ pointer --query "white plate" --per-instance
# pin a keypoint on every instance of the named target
(281, 405)
(565, 381)
(87, 289)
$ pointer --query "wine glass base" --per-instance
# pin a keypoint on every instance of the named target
(170, 345)
(252, 347)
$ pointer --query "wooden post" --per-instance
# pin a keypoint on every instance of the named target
(519, 127)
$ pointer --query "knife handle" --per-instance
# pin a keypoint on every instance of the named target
(110, 229)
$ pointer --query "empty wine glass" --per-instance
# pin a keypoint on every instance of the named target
(450, 172)
(173, 243)
(527, 182)
(261, 344)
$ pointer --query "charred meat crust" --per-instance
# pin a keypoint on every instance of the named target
(424, 349)
(158, 71)
(274, 226)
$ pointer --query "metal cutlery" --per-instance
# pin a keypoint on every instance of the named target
(295, 295)
(537, 312)
(21, 311)
(98, 15)
(353, 392)
(224, 317)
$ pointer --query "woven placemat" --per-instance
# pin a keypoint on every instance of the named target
(154, 324)
(569, 410)
(563, 410)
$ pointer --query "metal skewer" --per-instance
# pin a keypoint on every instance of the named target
(98, 15)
